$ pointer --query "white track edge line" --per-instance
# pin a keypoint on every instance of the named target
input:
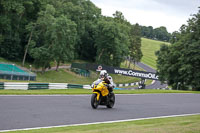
(105, 122)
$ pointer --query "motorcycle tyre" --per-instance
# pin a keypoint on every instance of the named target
(94, 102)
(111, 103)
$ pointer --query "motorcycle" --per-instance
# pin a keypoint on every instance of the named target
(101, 95)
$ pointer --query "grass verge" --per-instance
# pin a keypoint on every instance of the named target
(186, 124)
(85, 91)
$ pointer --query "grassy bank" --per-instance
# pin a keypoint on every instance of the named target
(149, 47)
(66, 76)
(186, 124)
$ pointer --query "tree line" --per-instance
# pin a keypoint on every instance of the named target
(42, 31)
(179, 63)
(159, 33)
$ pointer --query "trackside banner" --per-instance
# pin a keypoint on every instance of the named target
(139, 74)
(116, 70)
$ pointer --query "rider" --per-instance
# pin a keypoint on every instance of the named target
(108, 79)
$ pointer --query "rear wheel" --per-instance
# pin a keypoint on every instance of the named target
(94, 102)
(111, 101)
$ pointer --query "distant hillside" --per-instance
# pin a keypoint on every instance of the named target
(148, 49)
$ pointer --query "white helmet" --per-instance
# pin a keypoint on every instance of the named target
(103, 74)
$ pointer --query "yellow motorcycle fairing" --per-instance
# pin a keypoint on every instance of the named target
(98, 95)
(102, 88)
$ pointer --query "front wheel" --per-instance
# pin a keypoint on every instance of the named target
(111, 101)
(94, 102)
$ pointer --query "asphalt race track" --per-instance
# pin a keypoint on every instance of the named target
(17, 112)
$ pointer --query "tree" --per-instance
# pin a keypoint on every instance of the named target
(44, 31)
(86, 15)
(42, 57)
(11, 12)
(63, 38)
(86, 48)
(162, 34)
(15, 15)
(179, 64)
(168, 65)
(147, 32)
(111, 42)
(135, 45)
(175, 37)
(41, 52)
(159, 33)
(119, 17)
(54, 38)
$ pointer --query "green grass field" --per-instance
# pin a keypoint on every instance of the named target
(185, 124)
(86, 91)
(149, 47)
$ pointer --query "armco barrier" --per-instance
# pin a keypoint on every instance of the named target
(35, 86)
(128, 84)
(74, 86)
(58, 85)
(86, 87)
(17, 86)
(1, 85)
